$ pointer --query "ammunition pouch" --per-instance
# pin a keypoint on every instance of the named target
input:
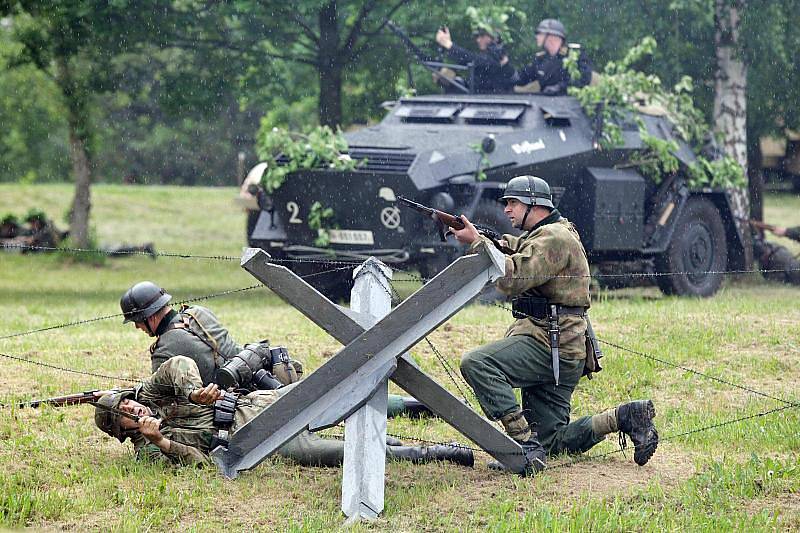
(225, 410)
(593, 352)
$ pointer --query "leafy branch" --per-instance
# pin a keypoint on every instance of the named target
(320, 147)
(317, 220)
(622, 89)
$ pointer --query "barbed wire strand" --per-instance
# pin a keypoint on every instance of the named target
(412, 278)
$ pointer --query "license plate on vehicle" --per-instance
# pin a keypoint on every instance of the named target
(350, 236)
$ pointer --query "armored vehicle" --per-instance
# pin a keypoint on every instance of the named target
(434, 149)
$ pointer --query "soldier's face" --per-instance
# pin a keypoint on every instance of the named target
(483, 41)
(540, 37)
(135, 408)
(515, 211)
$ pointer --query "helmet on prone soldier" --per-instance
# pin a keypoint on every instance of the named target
(142, 301)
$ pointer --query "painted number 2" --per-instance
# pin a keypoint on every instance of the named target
(294, 209)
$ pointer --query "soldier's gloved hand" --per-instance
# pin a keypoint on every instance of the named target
(468, 235)
(150, 428)
(207, 395)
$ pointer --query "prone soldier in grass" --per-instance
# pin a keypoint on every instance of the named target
(173, 418)
(550, 345)
(195, 332)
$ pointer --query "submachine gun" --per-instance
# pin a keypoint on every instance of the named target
(433, 64)
(442, 219)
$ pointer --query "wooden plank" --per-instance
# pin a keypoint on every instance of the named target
(414, 318)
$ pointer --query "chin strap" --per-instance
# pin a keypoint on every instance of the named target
(524, 218)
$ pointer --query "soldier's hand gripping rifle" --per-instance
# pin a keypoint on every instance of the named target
(761, 225)
(442, 220)
(427, 61)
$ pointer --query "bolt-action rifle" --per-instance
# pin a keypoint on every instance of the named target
(442, 219)
(61, 401)
(761, 225)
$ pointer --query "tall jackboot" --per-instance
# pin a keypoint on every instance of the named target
(425, 454)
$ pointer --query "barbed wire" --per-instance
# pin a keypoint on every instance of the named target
(411, 278)
(664, 361)
(120, 315)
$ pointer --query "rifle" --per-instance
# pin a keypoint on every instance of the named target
(62, 401)
(443, 219)
(429, 62)
(761, 225)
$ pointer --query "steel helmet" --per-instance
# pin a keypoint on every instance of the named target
(142, 301)
(106, 419)
(552, 27)
(529, 190)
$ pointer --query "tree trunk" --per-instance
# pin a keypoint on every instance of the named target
(78, 123)
(330, 67)
(730, 105)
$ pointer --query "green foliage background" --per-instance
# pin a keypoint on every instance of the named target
(176, 92)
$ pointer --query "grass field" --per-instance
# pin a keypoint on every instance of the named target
(58, 472)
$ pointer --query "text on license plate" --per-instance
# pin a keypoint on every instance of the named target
(350, 236)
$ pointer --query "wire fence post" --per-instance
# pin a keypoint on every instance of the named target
(363, 474)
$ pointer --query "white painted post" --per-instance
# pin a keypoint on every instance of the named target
(365, 430)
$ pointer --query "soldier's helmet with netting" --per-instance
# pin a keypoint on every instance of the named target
(142, 301)
(106, 419)
(552, 27)
(529, 190)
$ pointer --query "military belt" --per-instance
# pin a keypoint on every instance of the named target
(542, 309)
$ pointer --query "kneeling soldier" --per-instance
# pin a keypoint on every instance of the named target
(172, 418)
(545, 349)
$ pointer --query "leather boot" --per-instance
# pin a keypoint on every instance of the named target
(426, 454)
(635, 419)
(414, 408)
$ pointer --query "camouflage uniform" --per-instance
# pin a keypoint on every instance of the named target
(196, 333)
(190, 427)
(552, 248)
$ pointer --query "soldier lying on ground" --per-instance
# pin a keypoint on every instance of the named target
(550, 346)
(179, 423)
(196, 333)
(777, 258)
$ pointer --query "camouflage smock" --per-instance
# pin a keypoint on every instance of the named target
(189, 426)
(195, 333)
(552, 248)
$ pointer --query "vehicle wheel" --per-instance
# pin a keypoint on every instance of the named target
(329, 279)
(698, 248)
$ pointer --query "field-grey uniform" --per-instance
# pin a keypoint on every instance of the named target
(196, 333)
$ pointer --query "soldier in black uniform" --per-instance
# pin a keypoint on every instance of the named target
(779, 263)
(548, 64)
(492, 73)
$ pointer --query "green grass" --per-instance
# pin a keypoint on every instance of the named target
(58, 472)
